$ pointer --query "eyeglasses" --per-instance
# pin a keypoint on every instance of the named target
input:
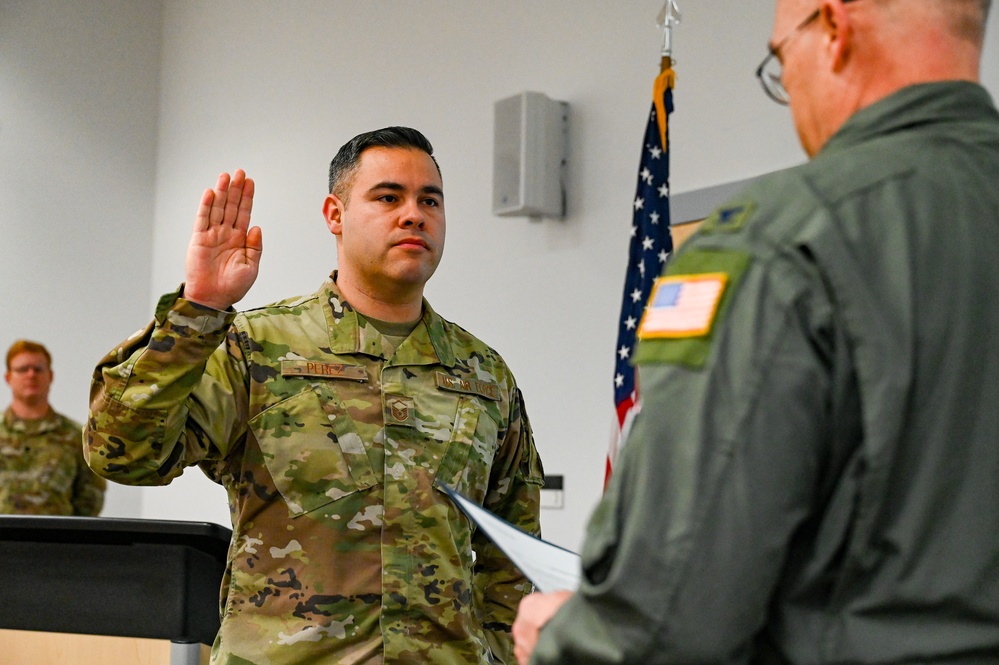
(770, 70)
(38, 369)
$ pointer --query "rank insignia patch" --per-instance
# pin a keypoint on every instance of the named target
(729, 218)
(683, 305)
(399, 410)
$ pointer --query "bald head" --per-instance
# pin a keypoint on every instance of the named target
(857, 52)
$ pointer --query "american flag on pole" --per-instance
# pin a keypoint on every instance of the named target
(651, 245)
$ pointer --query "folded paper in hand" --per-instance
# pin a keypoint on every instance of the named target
(548, 566)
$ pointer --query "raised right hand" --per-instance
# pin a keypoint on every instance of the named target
(224, 253)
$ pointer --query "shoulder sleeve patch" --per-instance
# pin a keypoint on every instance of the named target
(687, 304)
(682, 305)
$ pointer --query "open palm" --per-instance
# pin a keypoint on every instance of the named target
(224, 253)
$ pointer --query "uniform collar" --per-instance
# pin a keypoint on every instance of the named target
(30, 426)
(915, 105)
(426, 345)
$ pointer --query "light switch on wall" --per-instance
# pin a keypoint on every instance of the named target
(552, 494)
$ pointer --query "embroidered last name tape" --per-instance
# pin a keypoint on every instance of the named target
(683, 305)
(472, 386)
(323, 370)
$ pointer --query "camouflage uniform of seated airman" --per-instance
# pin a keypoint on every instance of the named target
(333, 449)
(42, 471)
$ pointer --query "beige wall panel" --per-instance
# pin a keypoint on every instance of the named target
(681, 232)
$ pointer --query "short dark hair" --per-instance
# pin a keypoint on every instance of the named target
(347, 159)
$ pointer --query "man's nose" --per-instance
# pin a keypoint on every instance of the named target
(413, 215)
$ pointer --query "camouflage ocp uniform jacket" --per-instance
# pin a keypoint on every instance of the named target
(42, 471)
(333, 450)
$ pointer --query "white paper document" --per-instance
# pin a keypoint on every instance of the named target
(548, 566)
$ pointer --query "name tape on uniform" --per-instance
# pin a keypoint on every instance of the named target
(315, 369)
(683, 305)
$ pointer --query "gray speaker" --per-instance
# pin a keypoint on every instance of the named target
(530, 142)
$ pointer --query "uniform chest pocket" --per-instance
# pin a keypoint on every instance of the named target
(312, 450)
(467, 463)
(52, 465)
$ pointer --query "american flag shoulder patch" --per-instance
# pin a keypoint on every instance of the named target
(683, 305)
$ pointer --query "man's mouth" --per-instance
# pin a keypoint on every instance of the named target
(413, 242)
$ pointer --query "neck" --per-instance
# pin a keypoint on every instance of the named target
(400, 305)
(914, 43)
(30, 410)
(900, 74)
(883, 67)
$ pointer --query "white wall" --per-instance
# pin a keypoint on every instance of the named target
(78, 119)
(276, 88)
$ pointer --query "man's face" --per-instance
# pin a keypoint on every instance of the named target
(391, 227)
(800, 71)
(29, 377)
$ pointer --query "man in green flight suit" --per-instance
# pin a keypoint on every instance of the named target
(42, 470)
(812, 477)
(334, 420)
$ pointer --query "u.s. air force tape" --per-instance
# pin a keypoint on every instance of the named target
(471, 386)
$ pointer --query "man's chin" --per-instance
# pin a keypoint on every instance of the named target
(416, 275)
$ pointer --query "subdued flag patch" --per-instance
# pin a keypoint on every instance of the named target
(683, 305)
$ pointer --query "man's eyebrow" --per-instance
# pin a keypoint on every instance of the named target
(397, 187)
(387, 184)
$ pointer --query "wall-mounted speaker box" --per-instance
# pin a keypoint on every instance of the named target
(530, 143)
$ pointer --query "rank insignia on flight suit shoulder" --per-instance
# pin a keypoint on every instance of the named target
(687, 304)
(728, 218)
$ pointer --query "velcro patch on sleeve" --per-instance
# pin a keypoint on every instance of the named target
(688, 305)
(683, 305)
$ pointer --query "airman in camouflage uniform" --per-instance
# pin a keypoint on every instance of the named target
(333, 433)
(42, 471)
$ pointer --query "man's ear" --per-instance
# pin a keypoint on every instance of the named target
(333, 208)
(837, 31)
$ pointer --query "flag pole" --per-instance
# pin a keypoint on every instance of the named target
(651, 243)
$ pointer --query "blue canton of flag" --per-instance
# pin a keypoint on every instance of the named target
(651, 245)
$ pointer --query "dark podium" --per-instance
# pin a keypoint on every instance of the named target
(108, 576)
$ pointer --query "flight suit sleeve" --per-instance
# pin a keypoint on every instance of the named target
(172, 395)
(684, 551)
(514, 495)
